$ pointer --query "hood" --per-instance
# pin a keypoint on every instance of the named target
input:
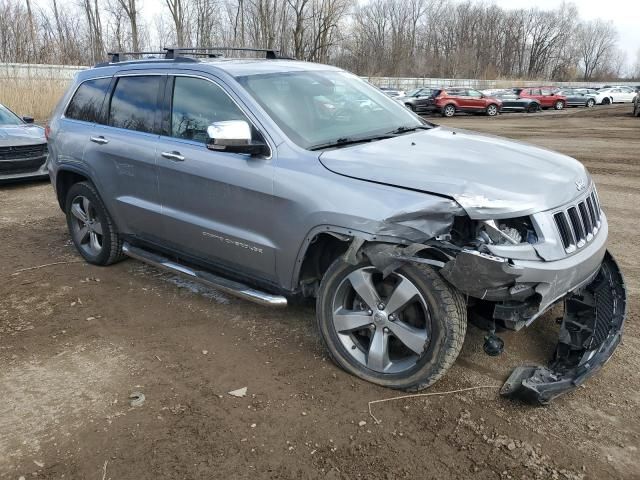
(17, 135)
(490, 177)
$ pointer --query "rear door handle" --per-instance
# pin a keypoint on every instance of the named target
(99, 140)
(175, 156)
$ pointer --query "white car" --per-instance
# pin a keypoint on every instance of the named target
(606, 96)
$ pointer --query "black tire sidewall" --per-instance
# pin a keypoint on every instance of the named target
(430, 363)
(82, 189)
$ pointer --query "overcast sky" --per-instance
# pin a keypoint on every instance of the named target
(625, 15)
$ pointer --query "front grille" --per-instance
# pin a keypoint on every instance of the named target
(23, 151)
(22, 159)
(578, 223)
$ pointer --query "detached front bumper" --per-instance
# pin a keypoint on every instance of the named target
(590, 332)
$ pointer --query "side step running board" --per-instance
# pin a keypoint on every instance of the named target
(206, 278)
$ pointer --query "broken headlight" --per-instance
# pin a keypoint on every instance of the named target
(512, 231)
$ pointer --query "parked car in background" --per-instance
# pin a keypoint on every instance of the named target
(448, 101)
(578, 97)
(636, 104)
(514, 103)
(420, 100)
(607, 96)
(23, 147)
(392, 92)
(546, 96)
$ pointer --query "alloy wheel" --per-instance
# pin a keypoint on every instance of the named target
(86, 228)
(383, 323)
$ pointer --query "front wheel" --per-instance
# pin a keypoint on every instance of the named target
(449, 110)
(606, 101)
(591, 103)
(402, 331)
(492, 110)
(92, 229)
(559, 105)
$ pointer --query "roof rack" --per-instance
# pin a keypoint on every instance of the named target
(173, 54)
(270, 53)
(119, 56)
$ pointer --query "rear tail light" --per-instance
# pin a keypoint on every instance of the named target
(47, 132)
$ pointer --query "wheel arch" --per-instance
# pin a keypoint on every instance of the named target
(325, 244)
(65, 179)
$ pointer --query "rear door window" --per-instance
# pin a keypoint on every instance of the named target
(134, 103)
(86, 104)
(198, 103)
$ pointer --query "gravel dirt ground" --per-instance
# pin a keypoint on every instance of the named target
(76, 340)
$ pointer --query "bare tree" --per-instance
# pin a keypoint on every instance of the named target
(130, 7)
(178, 11)
(596, 40)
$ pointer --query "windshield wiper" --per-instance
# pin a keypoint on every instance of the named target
(405, 129)
(344, 141)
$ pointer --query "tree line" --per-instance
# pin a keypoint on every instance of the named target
(408, 38)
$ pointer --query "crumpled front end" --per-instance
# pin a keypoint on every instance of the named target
(514, 270)
(590, 332)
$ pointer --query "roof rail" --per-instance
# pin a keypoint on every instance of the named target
(119, 56)
(270, 53)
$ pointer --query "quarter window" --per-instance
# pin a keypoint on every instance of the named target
(133, 104)
(198, 103)
(86, 104)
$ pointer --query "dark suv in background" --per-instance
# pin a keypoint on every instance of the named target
(274, 179)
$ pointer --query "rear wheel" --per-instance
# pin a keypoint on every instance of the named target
(492, 110)
(533, 107)
(559, 105)
(92, 229)
(449, 110)
(401, 331)
(410, 107)
(591, 103)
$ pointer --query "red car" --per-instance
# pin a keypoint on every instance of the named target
(548, 97)
(451, 100)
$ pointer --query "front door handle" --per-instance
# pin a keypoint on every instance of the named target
(99, 140)
(175, 156)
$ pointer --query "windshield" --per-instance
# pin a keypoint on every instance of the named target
(317, 108)
(7, 117)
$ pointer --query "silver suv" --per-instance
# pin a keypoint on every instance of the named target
(275, 179)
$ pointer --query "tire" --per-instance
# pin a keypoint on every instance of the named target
(533, 108)
(410, 107)
(606, 101)
(591, 103)
(492, 110)
(559, 105)
(438, 306)
(92, 229)
(449, 110)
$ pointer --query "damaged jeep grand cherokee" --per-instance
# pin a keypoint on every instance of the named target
(274, 179)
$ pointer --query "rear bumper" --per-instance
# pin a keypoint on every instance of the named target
(590, 332)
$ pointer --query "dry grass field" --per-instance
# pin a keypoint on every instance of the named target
(33, 97)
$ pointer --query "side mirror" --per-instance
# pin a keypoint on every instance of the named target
(27, 119)
(234, 136)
